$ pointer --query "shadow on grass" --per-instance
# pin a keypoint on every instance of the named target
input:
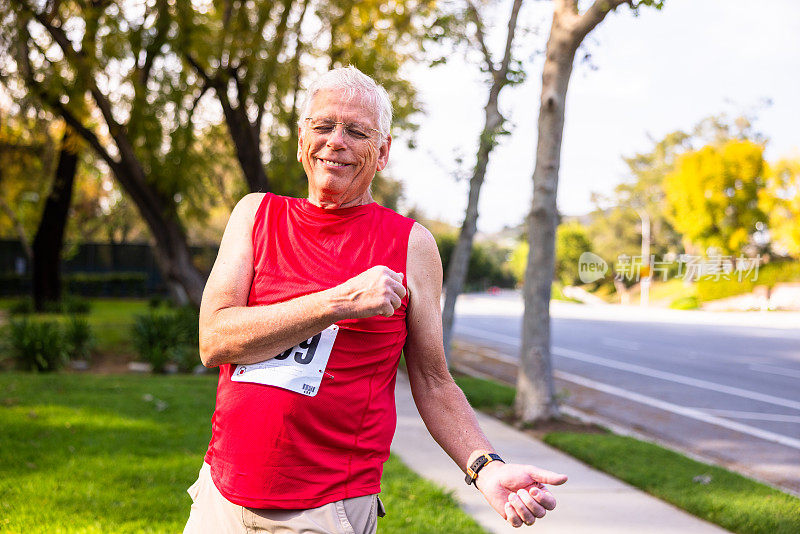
(100, 454)
(104, 454)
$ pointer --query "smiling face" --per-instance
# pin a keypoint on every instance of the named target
(340, 167)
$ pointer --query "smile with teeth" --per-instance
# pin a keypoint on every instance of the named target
(332, 163)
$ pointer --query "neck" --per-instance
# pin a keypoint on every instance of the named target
(330, 202)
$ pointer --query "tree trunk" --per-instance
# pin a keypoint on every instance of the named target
(171, 249)
(245, 137)
(493, 122)
(535, 389)
(49, 240)
(459, 259)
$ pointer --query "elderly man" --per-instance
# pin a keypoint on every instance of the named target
(306, 312)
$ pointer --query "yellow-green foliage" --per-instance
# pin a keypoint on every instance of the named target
(780, 199)
(712, 196)
(519, 261)
(572, 240)
(768, 275)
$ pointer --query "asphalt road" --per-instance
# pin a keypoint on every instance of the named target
(725, 388)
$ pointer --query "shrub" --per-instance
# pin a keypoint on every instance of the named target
(113, 284)
(155, 302)
(768, 275)
(165, 337)
(21, 307)
(76, 305)
(78, 337)
(185, 356)
(153, 336)
(486, 263)
(37, 345)
(685, 303)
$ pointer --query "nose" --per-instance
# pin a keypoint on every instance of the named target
(336, 139)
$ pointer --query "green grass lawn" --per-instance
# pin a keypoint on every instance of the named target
(84, 453)
(730, 500)
(727, 499)
(486, 395)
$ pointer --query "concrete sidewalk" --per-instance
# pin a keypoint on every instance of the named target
(590, 502)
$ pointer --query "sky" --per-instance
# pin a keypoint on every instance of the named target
(648, 75)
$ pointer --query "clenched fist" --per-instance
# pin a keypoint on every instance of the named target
(376, 291)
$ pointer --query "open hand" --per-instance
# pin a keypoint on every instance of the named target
(517, 492)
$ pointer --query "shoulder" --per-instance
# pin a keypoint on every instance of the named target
(247, 206)
(424, 265)
(421, 244)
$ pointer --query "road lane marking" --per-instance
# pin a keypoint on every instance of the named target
(756, 416)
(638, 369)
(691, 413)
(679, 379)
(775, 370)
(620, 343)
(491, 336)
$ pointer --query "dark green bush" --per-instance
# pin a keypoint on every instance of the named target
(486, 264)
(113, 284)
(155, 302)
(185, 356)
(165, 337)
(37, 345)
(21, 307)
(69, 304)
(75, 305)
(78, 337)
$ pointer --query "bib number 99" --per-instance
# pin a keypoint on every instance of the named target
(303, 352)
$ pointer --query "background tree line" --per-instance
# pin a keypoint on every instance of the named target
(138, 85)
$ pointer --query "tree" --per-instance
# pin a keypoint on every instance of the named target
(501, 74)
(49, 240)
(107, 71)
(780, 198)
(535, 391)
(712, 195)
(27, 159)
(572, 240)
(256, 56)
(130, 77)
(615, 227)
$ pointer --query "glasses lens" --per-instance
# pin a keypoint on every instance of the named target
(354, 131)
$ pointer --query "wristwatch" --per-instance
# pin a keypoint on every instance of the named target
(477, 465)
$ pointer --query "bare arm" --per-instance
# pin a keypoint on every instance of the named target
(514, 491)
(232, 332)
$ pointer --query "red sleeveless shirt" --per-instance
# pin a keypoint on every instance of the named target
(274, 448)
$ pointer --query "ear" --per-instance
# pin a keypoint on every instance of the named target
(383, 153)
(299, 143)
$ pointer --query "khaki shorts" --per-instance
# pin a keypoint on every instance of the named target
(213, 513)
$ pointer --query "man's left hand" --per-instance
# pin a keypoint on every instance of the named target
(517, 491)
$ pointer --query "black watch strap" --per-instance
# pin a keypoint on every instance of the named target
(477, 465)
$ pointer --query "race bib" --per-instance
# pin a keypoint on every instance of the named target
(299, 368)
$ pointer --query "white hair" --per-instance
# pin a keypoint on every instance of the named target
(353, 82)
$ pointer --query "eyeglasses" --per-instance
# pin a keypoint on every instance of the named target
(353, 131)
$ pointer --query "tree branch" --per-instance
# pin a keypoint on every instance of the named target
(512, 27)
(53, 101)
(472, 11)
(151, 50)
(593, 16)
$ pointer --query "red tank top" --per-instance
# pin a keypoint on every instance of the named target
(274, 448)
